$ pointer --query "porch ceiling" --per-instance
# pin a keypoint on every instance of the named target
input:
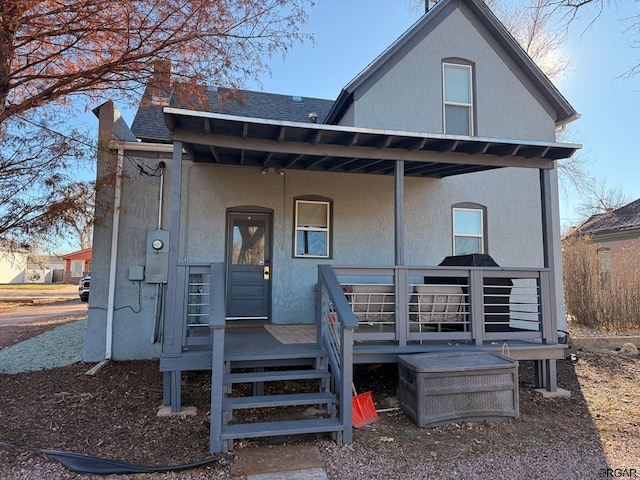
(252, 142)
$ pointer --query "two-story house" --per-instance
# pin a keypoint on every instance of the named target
(280, 213)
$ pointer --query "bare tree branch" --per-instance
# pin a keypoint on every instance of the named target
(53, 52)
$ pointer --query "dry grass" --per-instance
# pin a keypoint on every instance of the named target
(601, 288)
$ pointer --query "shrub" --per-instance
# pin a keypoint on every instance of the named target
(601, 285)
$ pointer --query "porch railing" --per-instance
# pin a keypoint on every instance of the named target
(408, 305)
(335, 322)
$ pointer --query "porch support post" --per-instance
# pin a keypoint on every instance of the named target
(172, 343)
(399, 212)
(476, 304)
(546, 369)
(401, 277)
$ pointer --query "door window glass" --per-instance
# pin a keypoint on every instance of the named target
(248, 242)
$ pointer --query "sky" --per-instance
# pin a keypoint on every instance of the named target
(349, 34)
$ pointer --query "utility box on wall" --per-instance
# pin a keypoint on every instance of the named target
(157, 256)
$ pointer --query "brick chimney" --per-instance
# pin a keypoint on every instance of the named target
(159, 85)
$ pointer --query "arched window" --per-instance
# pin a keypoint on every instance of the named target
(457, 95)
(469, 228)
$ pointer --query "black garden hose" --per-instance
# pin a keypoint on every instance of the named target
(102, 466)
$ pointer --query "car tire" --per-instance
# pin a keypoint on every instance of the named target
(84, 298)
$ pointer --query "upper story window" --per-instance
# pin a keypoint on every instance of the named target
(457, 84)
(468, 230)
(313, 222)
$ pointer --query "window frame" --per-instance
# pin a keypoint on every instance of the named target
(328, 229)
(75, 264)
(483, 226)
(470, 105)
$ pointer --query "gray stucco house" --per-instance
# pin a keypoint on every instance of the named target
(236, 224)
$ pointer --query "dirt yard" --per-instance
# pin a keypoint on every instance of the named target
(113, 415)
(593, 434)
(29, 310)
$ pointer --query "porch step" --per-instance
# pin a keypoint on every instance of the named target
(271, 357)
(275, 376)
(287, 400)
(291, 427)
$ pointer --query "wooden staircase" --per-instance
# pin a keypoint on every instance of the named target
(294, 380)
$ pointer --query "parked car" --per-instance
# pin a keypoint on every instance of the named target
(83, 288)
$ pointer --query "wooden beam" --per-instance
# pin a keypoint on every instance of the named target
(267, 160)
(372, 153)
(419, 145)
(341, 164)
(313, 164)
(215, 154)
(296, 159)
(281, 133)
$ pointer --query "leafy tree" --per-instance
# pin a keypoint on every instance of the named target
(54, 52)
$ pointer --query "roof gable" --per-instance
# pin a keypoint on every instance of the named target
(80, 254)
(564, 111)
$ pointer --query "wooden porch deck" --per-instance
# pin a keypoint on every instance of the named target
(240, 342)
(362, 315)
(257, 343)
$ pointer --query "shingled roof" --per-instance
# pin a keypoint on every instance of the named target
(149, 125)
(621, 220)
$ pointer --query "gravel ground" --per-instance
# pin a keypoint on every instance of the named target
(59, 347)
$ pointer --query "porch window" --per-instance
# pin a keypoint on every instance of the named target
(312, 235)
(468, 230)
(458, 98)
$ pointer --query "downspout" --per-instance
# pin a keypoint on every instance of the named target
(114, 255)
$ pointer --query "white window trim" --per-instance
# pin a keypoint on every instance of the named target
(77, 268)
(468, 235)
(299, 228)
(457, 104)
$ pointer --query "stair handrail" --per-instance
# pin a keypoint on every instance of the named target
(217, 326)
(335, 325)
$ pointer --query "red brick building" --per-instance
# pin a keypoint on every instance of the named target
(77, 265)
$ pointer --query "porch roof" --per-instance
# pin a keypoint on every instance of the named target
(263, 143)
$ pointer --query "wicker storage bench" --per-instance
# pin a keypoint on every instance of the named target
(440, 388)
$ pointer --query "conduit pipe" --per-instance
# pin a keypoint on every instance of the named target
(158, 312)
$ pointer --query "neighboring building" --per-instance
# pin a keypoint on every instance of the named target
(20, 266)
(615, 234)
(613, 229)
(284, 210)
(77, 265)
(13, 266)
(44, 269)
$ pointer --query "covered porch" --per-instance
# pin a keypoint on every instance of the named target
(363, 313)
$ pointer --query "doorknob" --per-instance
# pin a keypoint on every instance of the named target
(265, 273)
